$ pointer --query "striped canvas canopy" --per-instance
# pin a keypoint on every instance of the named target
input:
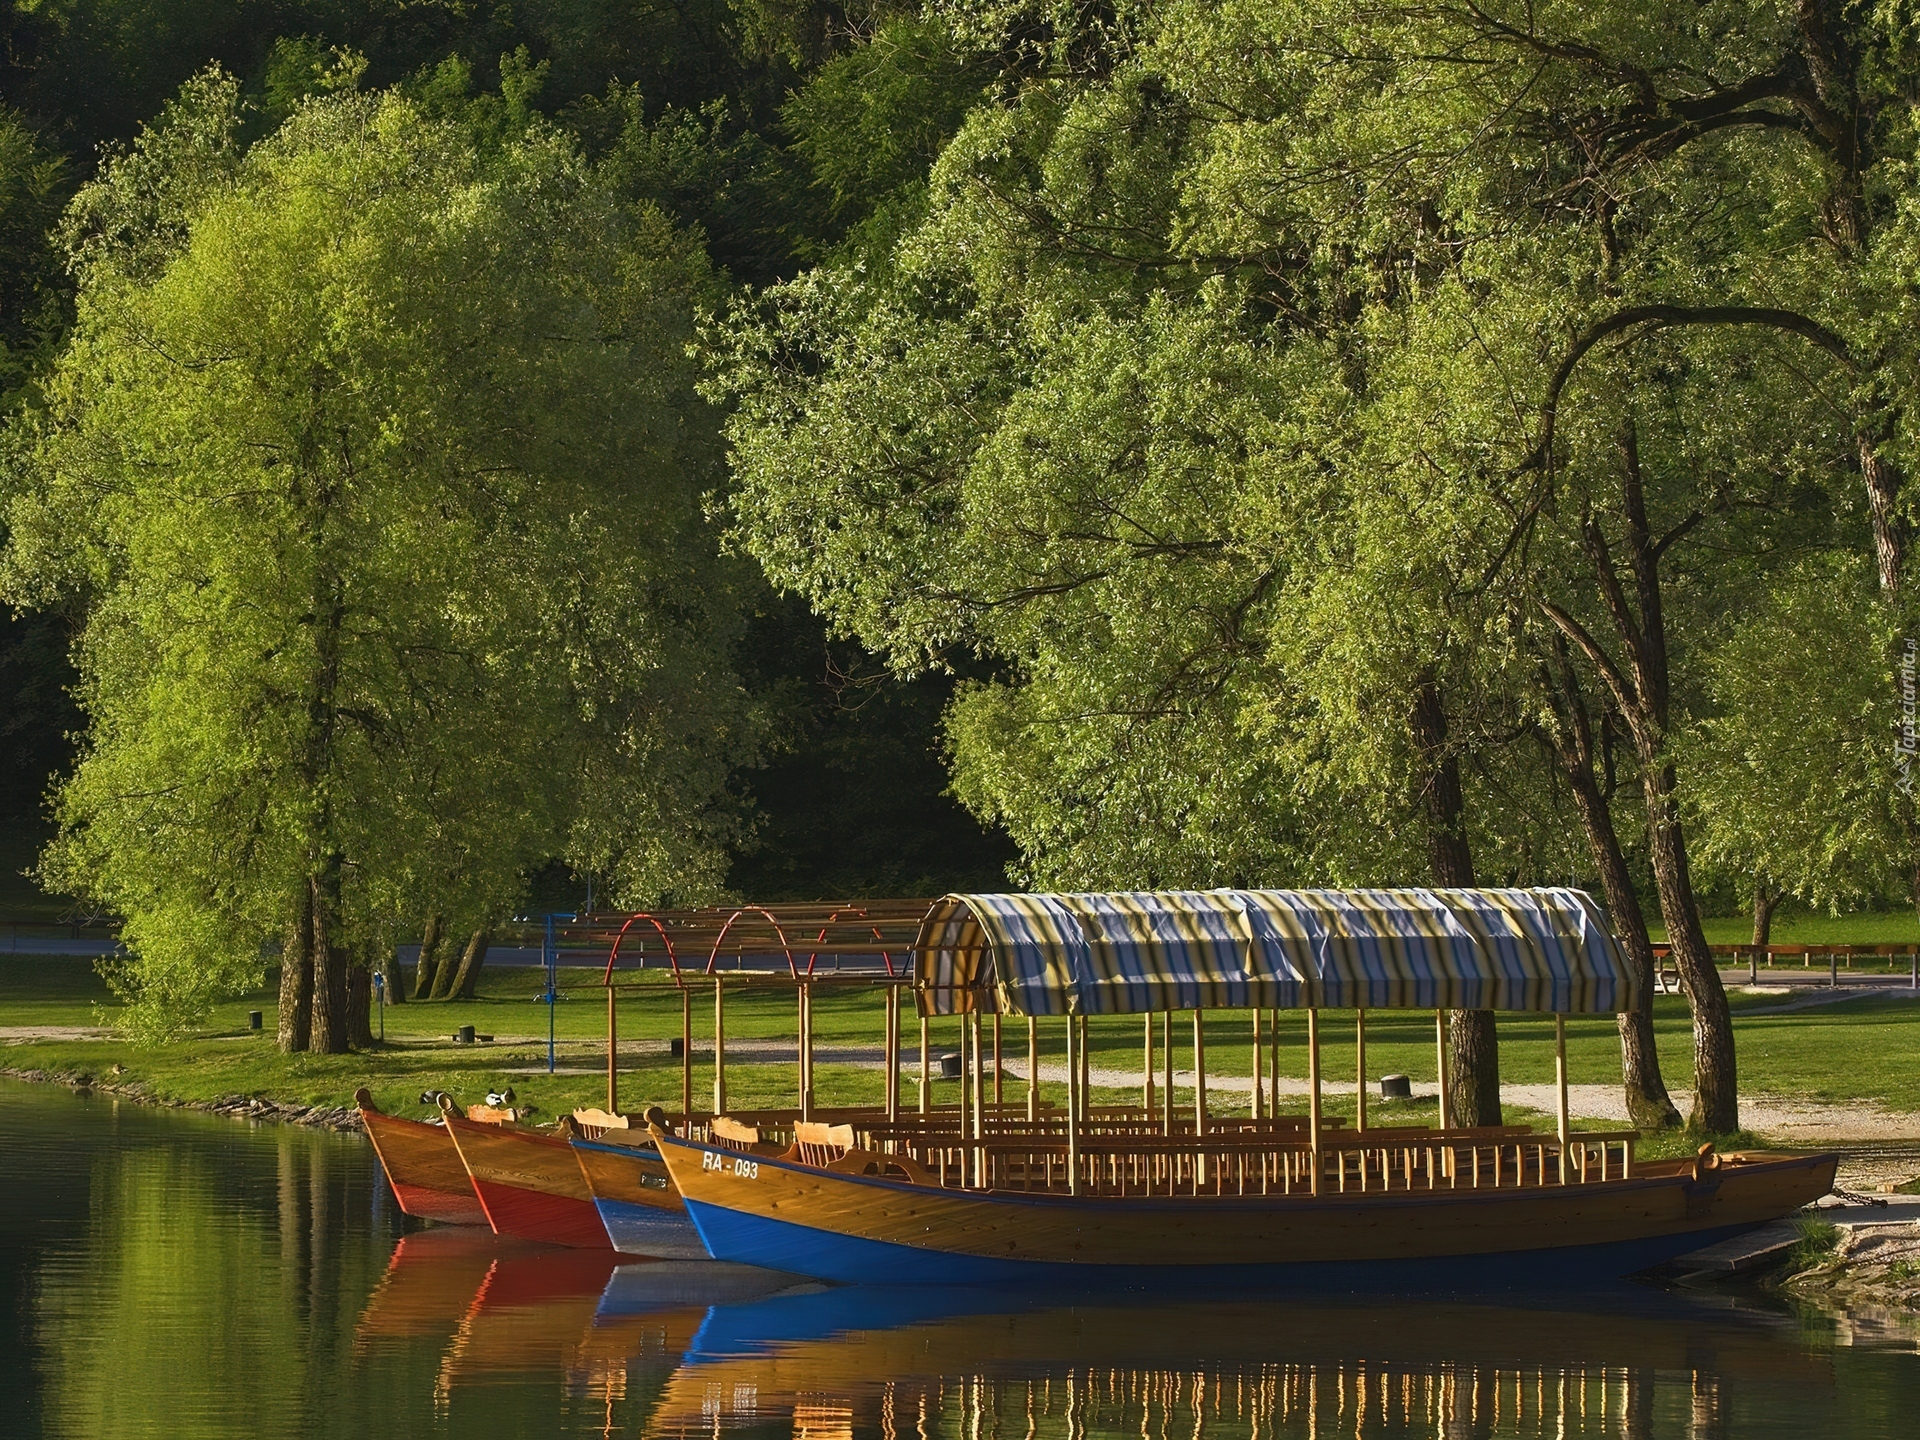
(1543, 950)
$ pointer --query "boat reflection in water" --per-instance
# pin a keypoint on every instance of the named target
(511, 1311)
(675, 1349)
(884, 1362)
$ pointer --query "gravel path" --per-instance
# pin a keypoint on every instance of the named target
(10, 1033)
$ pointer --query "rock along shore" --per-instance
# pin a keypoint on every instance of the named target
(240, 1107)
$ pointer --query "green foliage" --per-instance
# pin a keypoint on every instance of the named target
(708, 168)
(375, 455)
(1793, 774)
(34, 186)
(1818, 1240)
(302, 66)
(1209, 400)
(871, 122)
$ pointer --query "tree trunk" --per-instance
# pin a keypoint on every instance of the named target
(330, 1023)
(471, 959)
(1473, 1049)
(1641, 691)
(360, 1005)
(446, 970)
(394, 976)
(1764, 902)
(1649, 1105)
(295, 1027)
(426, 970)
(1882, 479)
(1473, 1044)
(1716, 1089)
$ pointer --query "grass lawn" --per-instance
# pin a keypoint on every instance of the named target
(1802, 927)
(1863, 1050)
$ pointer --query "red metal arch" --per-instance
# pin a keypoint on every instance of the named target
(613, 955)
(786, 946)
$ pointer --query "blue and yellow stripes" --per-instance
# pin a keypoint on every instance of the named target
(1133, 951)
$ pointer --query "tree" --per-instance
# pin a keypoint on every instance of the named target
(1350, 378)
(1043, 439)
(375, 461)
(1795, 772)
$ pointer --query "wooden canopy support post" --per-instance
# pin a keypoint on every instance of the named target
(969, 1072)
(1166, 1046)
(1033, 1068)
(1273, 1058)
(802, 996)
(1199, 1092)
(1440, 1052)
(1146, 1067)
(1257, 1109)
(1073, 1107)
(1199, 1073)
(1086, 1069)
(979, 1102)
(1560, 1088)
(999, 1068)
(686, 1054)
(613, 1054)
(893, 1053)
(1360, 1069)
(719, 1046)
(1313, 1095)
(965, 1129)
(926, 1080)
(1076, 1104)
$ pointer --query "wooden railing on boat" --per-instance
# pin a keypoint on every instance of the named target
(1274, 1159)
(1122, 1151)
(1277, 1163)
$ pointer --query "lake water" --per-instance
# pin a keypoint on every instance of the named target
(169, 1275)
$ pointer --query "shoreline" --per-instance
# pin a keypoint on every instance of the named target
(340, 1119)
(1859, 1266)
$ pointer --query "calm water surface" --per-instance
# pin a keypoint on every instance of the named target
(183, 1276)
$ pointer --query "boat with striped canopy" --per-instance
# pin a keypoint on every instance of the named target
(1149, 1193)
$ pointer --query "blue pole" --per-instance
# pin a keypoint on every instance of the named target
(550, 954)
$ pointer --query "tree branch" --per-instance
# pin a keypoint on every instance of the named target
(1623, 695)
(1665, 317)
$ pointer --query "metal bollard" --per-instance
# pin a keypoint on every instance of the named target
(1914, 957)
(1833, 969)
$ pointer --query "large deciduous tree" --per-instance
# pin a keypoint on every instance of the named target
(375, 460)
(1303, 402)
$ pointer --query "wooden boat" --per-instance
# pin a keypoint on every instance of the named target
(529, 1184)
(1145, 1200)
(867, 1217)
(422, 1164)
(639, 1208)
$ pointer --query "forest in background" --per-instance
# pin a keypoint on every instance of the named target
(792, 449)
